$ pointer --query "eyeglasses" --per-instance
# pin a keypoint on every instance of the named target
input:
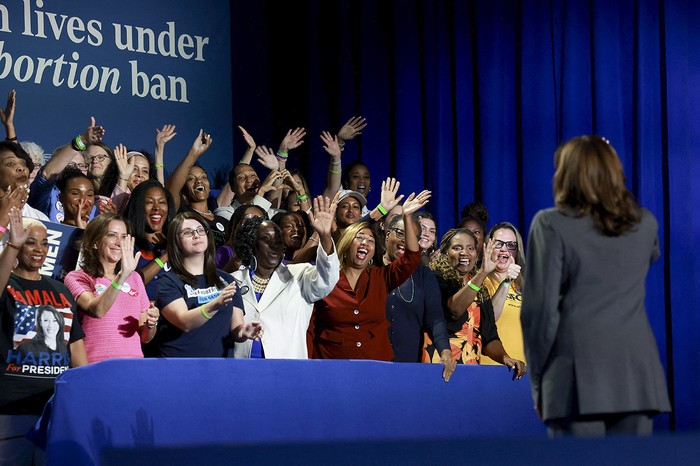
(400, 234)
(510, 245)
(80, 166)
(97, 158)
(189, 233)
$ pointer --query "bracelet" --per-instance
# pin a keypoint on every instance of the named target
(2, 229)
(78, 143)
(13, 246)
(282, 155)
(242, 163)
(116, 285)
(14, 139)
(336, 172)
(204, 313)
(473, 286)
(313, 239)
(381, 209)
(124, 179)
(281, 159)
(159, 165)
(303, 197)
(336, 164)
(159, 262)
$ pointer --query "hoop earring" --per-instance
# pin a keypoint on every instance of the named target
(371, 261)
(254, 260)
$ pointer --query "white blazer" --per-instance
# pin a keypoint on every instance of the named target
(286, 305)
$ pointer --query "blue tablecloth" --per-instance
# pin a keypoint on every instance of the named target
(193, 402)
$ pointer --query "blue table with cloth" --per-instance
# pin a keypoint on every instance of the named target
(165, 403)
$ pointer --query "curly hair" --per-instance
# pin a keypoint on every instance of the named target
(94, 232)
(246, 237)
(135, 212)
(475, 211)
(68, 174)
(589, 180)
(176, 256)
(236, 220)
(441, 263)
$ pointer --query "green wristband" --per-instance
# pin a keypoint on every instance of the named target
(116, 285)
(204, 313)
(159, 262)
(382, 210)
(473, 286)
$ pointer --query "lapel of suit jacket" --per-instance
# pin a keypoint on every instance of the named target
(249, 296)
(277, 283)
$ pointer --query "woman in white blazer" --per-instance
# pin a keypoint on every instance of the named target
(282, 296)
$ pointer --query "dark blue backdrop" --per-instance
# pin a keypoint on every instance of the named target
(470, 99)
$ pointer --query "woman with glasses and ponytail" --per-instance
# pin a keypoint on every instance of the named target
(201, 306)
(505, 286)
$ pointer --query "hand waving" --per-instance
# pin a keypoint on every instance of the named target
(93, 134)
(331, 144)
(8, 115)
(201, 143)
(353, 127)
(388, 196)
(164, 135)
(267, 158)
(415, 203)
(129, 259)
(248, 138)
(323, 214)
(124, 165)
(293, 139)
(18, 234)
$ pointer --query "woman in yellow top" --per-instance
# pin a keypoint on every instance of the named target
(505, 285)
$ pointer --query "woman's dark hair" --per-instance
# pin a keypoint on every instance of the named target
(417, 216)
(176, 257)
(152, 172)
(247, 236)
(96, 229)
(68, 174)
(236, 219)
(475, 211)
(345, 176)
(111, 173)
(16, 149)
(279, 216)
(60, 336)
(135, 212)
(589, 180)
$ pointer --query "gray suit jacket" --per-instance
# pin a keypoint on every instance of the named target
(588, 342)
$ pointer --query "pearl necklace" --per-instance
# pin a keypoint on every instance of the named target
(208, 212)
(259, 284)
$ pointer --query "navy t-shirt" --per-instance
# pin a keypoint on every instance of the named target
(208, 341)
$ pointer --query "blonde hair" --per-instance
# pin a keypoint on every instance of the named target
(347, 238)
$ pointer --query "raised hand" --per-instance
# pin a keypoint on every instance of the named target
(18, 234)
(290, 181)
(83, 214)
(8, 115)
(124, 165)
(225, 297)
(323, 214)
(248, 138)
(93, 134)
(268, 184)
(267, 157)
(129, 260)
(331, 144)
(353, 127)
(201, 143)
(487, 263)
(164, 135)
(292, 140)
(415, 203)
(388, 198)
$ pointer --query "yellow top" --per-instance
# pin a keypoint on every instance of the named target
(509, 329)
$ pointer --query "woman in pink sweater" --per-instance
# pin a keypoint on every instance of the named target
(113, 306)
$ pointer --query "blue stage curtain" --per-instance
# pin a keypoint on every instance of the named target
(471, 98)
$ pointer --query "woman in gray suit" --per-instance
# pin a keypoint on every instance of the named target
(593, 360)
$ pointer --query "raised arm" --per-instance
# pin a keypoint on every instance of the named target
(8, 116)
(177, 180)
(63, 155)
(335, 170)
(162, 137)
(413, 204)
(226, 196)
(17, 236)
(98, 306)
(461, 300)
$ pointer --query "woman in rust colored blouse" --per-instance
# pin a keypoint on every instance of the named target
(350, 323)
